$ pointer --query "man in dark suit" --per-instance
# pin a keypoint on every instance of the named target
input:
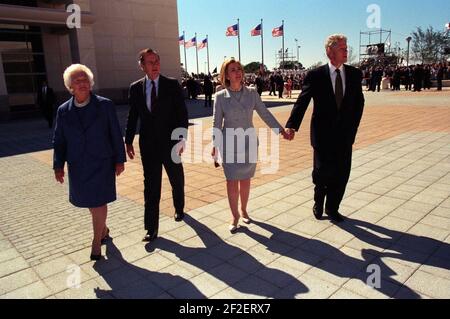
(338, 107)
(46, 99)
(208, 90)
(158, 102)
(280, 85)
(440, 76)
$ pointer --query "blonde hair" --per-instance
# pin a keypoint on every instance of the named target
(76, 68)
(223, 71)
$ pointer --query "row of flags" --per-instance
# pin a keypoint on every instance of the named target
(233, 31)
(193, 42)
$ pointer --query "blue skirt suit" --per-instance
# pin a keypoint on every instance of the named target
(89, 139)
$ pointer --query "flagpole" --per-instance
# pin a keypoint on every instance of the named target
(262, 44)
(207, 51)
(196, 50)
(184, 46)
(239, 40)
(282, 24)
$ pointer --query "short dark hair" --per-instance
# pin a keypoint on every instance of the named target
(143, 52)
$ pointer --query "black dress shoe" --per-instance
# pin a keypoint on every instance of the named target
(335, 216)
(178, 217)
(96, 257)
(318, 211)
(149, 237)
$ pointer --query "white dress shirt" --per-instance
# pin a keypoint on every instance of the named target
(333, 76)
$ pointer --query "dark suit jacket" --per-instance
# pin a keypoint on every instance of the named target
(328, 125)
(157, 126)
(100, 138)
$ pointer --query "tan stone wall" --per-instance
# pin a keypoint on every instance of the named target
(110, 45)
(57, 57)
(123, 28)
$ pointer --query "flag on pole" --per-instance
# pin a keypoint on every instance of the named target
(256, 31)
(448, 26)
(181, 40)
(202, 44)
(277, 32)
(232, 31)
(191, 43)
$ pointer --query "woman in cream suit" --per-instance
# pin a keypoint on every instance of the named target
(235, 136)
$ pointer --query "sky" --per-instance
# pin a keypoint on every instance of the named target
(309, 21)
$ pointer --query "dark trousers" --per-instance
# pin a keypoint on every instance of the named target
(330, 175)
(272, 89)
(208, 100)
(439, 84)
(47, 111)
(152, 164)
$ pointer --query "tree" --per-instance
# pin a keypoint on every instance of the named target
(315, 65)
(351, 57)
(253, 67)
(288, 65)
(428, 46)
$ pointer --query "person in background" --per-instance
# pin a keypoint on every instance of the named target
(46, 100)
(208, 90)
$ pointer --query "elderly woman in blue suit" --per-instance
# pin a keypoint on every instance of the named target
(88, 137)
(233, 113)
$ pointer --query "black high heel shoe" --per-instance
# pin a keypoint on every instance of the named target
(105, 239)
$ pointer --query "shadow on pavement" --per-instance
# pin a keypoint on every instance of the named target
(128, 281)
(247, 278)
(331, 259)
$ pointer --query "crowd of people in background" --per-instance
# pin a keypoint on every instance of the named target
(281, 83)
(413, 77)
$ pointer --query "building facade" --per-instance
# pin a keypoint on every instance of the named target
(37, 44)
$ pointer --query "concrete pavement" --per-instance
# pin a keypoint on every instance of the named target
(397, 203)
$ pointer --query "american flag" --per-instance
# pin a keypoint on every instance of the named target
(277, 32)
(256, 31)
(181, 40)
(202, 44)
(191, 43)
(232, 31)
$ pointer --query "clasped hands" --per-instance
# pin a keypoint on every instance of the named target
(288, 134)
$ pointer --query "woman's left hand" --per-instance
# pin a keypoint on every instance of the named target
(120, 168)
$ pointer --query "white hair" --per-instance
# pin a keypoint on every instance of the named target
(333, 40)
(77, 68)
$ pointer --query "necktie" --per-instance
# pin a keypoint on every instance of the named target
(339, 90)
(153, 97)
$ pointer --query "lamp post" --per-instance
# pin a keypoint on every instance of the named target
(407, 53)
(296, 45)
